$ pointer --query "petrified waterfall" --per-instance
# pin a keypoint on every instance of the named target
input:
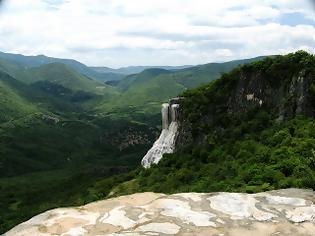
(166, 141)
(165, 115)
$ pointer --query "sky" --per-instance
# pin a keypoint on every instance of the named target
(118, 33)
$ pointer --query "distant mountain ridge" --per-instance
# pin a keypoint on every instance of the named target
(57, 73)
(35, 61)
(98, 73)
(137, 69)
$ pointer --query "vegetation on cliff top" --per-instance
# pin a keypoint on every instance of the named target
(247, 158)
(248, 151)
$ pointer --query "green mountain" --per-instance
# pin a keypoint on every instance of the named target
(63, 75)
(58, 74)
(195, 76)
(141, 78)
(20, 100)
(251, 130)
(35, 61)
(136, 69)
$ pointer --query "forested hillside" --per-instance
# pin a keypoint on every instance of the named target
(252, 130)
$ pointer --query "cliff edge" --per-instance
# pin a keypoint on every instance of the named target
(283, 212)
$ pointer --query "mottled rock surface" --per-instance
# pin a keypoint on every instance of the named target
(282, 212)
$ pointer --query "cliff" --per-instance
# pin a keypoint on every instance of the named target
(283, 86)
(251, 130)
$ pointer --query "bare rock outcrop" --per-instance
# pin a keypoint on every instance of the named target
(283, 212)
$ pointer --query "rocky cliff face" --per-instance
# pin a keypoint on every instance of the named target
(288, 98)
(283, 86)
(288, 212)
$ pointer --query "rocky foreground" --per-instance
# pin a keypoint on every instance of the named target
(283, 212)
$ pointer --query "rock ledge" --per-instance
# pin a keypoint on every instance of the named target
(282, 212)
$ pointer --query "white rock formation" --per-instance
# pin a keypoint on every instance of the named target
(166, 141)
(288, 212)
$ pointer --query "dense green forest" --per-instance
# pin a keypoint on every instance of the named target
(248, 157)
(46, 164)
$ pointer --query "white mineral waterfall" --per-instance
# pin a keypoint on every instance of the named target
(174, 112)
(166, 141)
(165, 115)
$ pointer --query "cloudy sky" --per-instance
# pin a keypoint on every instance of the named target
(119, 33)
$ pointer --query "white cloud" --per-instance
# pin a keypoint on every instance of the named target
(142, 32)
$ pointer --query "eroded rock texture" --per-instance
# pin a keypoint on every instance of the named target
(283, 212)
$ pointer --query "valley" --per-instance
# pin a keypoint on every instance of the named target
(63, 130)
(64, 142)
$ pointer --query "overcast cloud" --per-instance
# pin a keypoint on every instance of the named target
(156, 32)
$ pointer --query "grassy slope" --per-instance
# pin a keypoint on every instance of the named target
(9, 67)
(195, 76)
(144, 92)
(67, 77)
(57, 73)
(12, 104)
